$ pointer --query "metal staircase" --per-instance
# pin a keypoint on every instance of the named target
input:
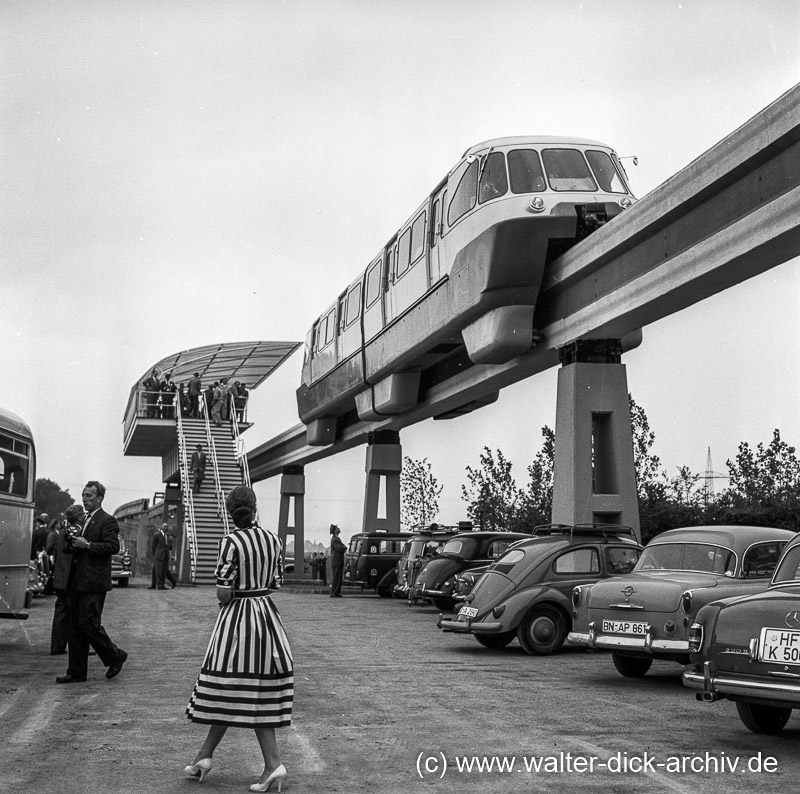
(223, 472)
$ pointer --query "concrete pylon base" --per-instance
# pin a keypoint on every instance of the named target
(293, 489)
(594, 480)
(384, 463)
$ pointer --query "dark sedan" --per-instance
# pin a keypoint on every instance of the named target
(436, 581)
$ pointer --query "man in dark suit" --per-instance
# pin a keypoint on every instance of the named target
(198, 467)
(337, 561)
(160, 546)
(89, 581)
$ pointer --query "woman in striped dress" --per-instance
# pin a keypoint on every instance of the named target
(247, 677)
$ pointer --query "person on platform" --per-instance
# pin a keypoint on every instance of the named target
(152, 388)
(337, 562)
(247, 676)
(197, 466)
(62, 563)
(218, 404)
(193, 392)
(208, 400)
(88, 582)
(160, 546)
(168, 391)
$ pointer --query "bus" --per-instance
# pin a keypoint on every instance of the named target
(17, 479)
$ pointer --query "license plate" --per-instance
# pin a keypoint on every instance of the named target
(624, 627)
(468, 612)
(781, 646)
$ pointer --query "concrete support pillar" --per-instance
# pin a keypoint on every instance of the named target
(384, 464)
(293, 489)
(594, 479)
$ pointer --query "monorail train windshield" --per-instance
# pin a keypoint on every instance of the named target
(460, 278)
(17, 477)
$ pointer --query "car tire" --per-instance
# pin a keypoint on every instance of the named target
(122, 582)
(543, 631)
(631, 666)
(495, 640)
(763, 719)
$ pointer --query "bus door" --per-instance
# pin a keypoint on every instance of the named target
(437, 260)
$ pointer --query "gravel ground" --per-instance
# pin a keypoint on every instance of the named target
(385, 702)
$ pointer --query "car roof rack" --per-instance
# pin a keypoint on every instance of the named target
(605, 530)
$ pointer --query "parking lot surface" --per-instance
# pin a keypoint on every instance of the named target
(384, 702)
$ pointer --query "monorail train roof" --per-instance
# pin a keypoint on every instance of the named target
(249, 362)
(537, 140)
(11, 421)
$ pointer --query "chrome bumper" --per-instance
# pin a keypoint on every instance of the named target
(711, 685)
(645, 643)
(467, 626)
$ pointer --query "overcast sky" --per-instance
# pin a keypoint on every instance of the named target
(182, 173)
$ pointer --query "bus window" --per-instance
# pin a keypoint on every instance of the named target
(418, 237)
(604, 170)
(526, 171)
(494, 181)
(465, 196)
(14, 455)
(353, 304)
(567, 170)
(373, 284)
(403, 251)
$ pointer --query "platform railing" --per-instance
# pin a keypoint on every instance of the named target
(188, 499)
(241, 451)
(222, 512)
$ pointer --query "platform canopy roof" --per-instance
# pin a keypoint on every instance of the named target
(250, 363)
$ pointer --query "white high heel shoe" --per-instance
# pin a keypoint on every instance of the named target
(277, 775)
(199, 770)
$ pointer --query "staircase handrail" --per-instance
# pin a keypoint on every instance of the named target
(241, 452)
(186, 485)
(223, 513)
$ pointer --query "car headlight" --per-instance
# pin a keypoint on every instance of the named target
(498, 610)
(695, 637)
(126, 560)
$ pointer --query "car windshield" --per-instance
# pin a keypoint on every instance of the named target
(461, 547)
(789, 567)
(704, 557)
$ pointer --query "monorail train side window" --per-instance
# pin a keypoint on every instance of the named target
(526, 171)
(373, 284)
(606, 173)
(319, 341)
(330, 326)
(353, 305)
(494, 181)
(435, 211)
(567, 170)
(418, 237)
(465, 196)
(403, 253)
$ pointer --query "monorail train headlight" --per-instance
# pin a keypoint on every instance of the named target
(536, 204)
(625, 202)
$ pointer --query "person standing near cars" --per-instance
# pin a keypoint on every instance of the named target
(89, 581)
(160, 547)
(62, 563)
(337, 562)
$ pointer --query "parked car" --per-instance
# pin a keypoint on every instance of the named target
(436, 579)
(418, 549)
(647, 616)
(747, 649)
(121, 568)
(466, 581)
(527, 592)
(372, 555)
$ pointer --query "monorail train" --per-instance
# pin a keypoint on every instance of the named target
(457, 285)
(17, 480)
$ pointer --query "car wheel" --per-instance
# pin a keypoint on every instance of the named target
(763, 719)
(122, 582)
(543, 631)
(386, 585)
(445, 604)
(495, 640)
(631, 666)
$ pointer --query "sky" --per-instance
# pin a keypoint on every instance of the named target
(182, 173)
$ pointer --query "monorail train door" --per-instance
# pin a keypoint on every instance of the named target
(437, 260)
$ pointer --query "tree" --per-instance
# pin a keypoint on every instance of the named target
(536, 501)
(49, 498)
(419, 493)
(645, 464)
(492, 494)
